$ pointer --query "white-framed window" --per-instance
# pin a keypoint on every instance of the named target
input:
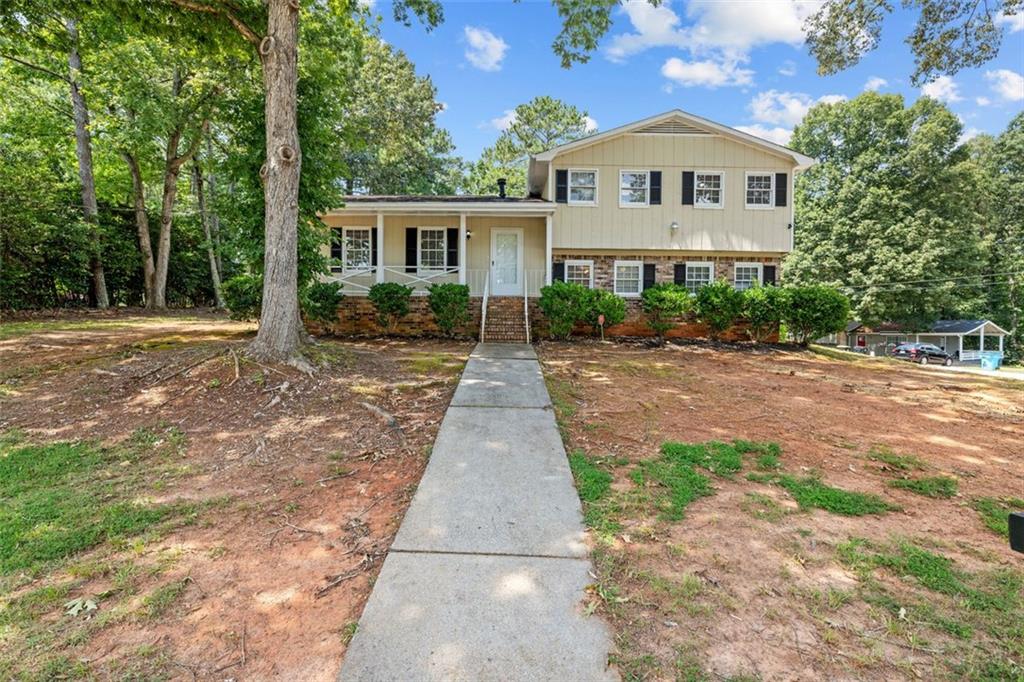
(760, 190)
(583, 186)
(709, 189)
(634, 188)
(746, 275)
(580, 272)
(629, 276)
(433, 248)
(351, 249)
(698, 274)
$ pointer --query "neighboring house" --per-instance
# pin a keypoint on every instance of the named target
(671, 198)
(963, 338)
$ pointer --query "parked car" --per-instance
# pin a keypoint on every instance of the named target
(922, 353)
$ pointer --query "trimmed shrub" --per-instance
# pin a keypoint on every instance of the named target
(320, 301)
(814, 311)
(563, 303)
(717, 305)
(603, 302)
(450, 304)
(243, 295)
(763, 308)
(391, 301)
(664, 305)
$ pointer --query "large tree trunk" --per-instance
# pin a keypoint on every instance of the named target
(172, 169)
(281, 333)
(204, 218)
(83, 148)
(142, 225)
(211, 182)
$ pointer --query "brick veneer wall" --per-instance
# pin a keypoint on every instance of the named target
(664, 266)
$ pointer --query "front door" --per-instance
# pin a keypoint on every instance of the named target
(506, 261)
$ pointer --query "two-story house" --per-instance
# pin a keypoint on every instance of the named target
(672, 198)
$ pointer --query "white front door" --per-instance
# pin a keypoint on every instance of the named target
(506, 261)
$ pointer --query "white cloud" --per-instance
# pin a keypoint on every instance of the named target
(982, 101)
(590, 125)
(786, 108)
(777, 135)
(875, 83)
(968, 134)
(484, 49)
(1013, 22)
(1009, 85)
(368, 4)
(788, 68)
(707, 73)
(504, 121)
(943, 89)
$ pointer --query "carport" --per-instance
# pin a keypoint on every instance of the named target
(944, 331)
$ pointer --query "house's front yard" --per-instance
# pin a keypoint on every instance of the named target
(170, 510)
(785, 515)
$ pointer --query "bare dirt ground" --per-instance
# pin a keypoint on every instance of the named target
(749, 585)
(296, 483)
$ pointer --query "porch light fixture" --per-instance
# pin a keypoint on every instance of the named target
(469, 234)
(674, 226)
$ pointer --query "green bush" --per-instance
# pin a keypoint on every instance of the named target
(391, 301)
(717, 305)
(664, 305)
(763, 308)
(603, 302)
(450, 305)
(243, 296)
(320, 301)
(814, 311)
(564, 304)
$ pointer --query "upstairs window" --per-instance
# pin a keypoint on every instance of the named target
(708, 190)
(634, 188)
(351, 249)
(760, 188)
(433, 247)
(746, 275)
(628, 277)
(583, 187)
(580, 272)
(697, 275)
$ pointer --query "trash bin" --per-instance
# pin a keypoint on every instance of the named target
(990, 362)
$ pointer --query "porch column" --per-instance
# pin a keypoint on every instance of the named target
(981, 343)
(917, 338)
(1000, 344)
(380, 248)
(959, 355)
(548, 221)
(462, 248)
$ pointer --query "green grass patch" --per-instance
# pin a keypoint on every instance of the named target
(675, 485)
(885, 455)
(721, 459)
(9, 330)
(593, 485)
(158, 602)
(995, 512)
(810, 493)
(943, 487)
(763, 507)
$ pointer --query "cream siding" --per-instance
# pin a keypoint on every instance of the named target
(731, 228)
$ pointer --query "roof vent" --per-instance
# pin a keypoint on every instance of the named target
(501, 187)
(671, 127)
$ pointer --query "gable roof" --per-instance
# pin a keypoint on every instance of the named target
(951, 327)
(676, 121)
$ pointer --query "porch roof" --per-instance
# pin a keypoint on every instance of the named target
(939, 328)
(452, 204)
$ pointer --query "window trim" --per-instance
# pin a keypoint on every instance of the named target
(721, 196)
(343, 269)
(760, 273)
(568, 188)
(420, 267)
(710, 264)
(579, 261)
(771, 190)
(640, 278)
(647, 189)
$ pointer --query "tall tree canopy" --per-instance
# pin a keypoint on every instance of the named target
(542, 123)
(891, 213)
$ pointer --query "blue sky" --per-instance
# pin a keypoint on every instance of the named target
(739, 62)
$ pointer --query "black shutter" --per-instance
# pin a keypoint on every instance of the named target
(649, 276)
(558, 272)
(768, 274)
(373, 247)
(337, 235)
(679, 273)
(781, 188)
(655, 188)
(561, 186)
(452, 238)
(688, 184)
(410, 249)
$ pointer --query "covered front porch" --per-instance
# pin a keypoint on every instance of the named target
(497, 246)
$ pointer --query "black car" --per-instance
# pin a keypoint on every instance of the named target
(922, 353)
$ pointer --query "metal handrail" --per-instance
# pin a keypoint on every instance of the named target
(483, 311)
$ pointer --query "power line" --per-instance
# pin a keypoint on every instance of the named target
(937, 279)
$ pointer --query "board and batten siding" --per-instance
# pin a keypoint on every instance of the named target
(732, 228)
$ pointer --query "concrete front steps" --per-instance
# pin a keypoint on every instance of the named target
(505, 320)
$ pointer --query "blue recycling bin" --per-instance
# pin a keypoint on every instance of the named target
(991, 361)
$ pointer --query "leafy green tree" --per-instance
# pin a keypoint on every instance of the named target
(664, 305)
(949, 34)
(813, 311)
(717, 305)
(885, 209)
(542, 123)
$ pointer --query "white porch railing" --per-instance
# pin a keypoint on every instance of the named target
(420, 279)
(358, 282)
(969, 355)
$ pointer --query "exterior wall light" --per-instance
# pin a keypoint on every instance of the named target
(674, 226)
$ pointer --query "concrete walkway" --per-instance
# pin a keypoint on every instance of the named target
(486, 575)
